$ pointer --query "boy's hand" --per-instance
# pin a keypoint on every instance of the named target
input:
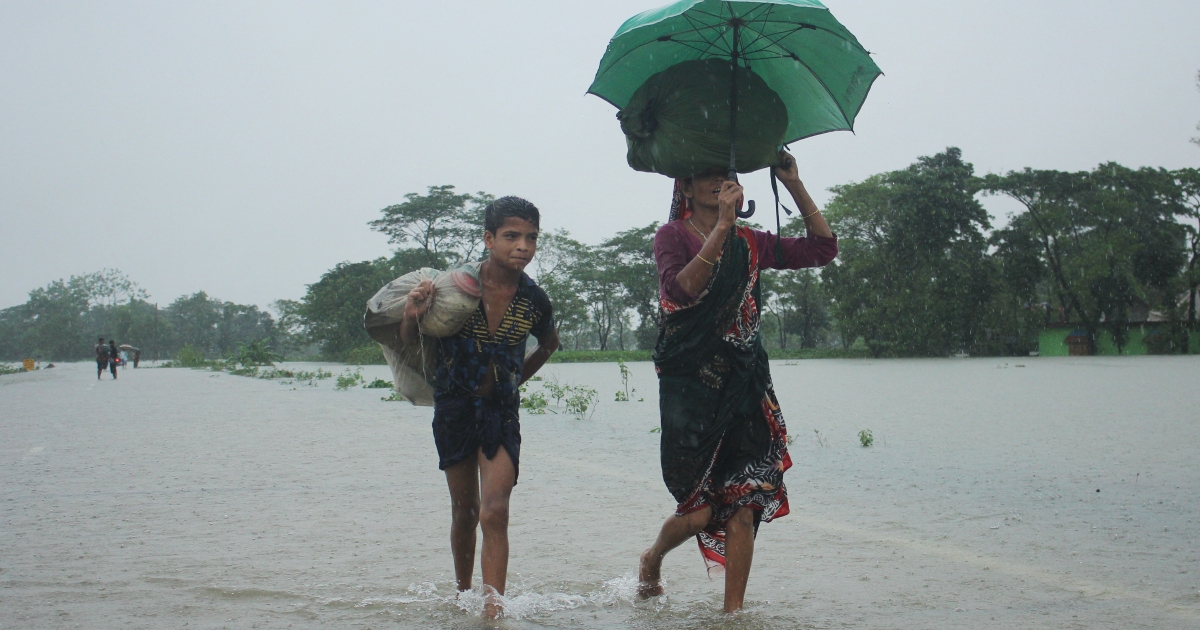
(419, 300)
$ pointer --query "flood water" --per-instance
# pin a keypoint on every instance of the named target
(1032, 493)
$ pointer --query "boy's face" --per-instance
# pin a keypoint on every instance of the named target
(514, 243)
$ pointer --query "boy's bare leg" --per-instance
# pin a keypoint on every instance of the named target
(463, 480)
(674, 532)
(739, 554)
(496, 477)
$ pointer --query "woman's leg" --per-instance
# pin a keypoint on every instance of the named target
(674, 532)
(739, 554)
(463, 480)
(496, 477)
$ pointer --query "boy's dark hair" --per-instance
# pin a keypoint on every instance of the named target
(102, 340)
(497, 211)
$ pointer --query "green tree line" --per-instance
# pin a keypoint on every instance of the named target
(61, 321)
(921, 272)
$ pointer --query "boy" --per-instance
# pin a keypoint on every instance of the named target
(476, 401)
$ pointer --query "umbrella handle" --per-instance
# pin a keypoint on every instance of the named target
(732, 176)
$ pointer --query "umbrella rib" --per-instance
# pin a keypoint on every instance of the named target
(816, 27)
(699, 28)
(695, 47)
(773, 40)
(716, 16)
(748, 46)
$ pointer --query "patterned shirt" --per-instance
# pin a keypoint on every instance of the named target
(464, 357)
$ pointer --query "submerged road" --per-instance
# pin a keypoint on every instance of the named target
(1033, 493)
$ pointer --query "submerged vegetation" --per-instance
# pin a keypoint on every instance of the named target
(349, 379)
(576, 400)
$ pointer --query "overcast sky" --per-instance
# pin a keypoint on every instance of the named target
(241, 147)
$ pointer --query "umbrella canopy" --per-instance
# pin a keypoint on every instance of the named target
(126, 346)
(803, 56)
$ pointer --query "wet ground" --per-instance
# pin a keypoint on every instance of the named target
(1031, 493)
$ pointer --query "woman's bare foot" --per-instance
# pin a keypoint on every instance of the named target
(649, 575)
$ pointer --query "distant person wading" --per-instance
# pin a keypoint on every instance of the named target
(114, 357)
(102, 358)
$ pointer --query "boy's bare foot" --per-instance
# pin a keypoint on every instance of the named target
(649, 577)
(493, 608)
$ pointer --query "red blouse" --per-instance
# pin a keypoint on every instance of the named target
(675, 245)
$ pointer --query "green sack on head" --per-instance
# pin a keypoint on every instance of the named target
(677, 122)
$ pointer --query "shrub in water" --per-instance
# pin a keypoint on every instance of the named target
(623, 395)
(866, 438)
(580, 400)
(256, 353)
(534, 403)
(189, 356)
(348, 380)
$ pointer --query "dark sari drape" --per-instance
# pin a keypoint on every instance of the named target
(723, 438)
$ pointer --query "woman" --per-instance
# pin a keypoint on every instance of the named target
(724, 444)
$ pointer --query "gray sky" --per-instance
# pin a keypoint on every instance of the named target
(241, 147)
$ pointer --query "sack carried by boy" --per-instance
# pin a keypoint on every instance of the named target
(455, 297)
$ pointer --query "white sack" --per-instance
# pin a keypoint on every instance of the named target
(455, 297)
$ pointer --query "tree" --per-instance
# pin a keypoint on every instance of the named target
(241, 325)
(912, 277)
(797, 302)
(1109, 239)
(629, 257)
(56, 320)
(110, 287)
(290, 327)
(332, 308)
(446, 227)
(194, 319)
(597, 277)
(1188, 180)
(15, 325)
(140, 324)
(554, 268)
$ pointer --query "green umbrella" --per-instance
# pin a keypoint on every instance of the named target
(705, 83)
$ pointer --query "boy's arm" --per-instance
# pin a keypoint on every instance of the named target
(536, 359)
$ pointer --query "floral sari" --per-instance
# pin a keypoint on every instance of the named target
(724, 443)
